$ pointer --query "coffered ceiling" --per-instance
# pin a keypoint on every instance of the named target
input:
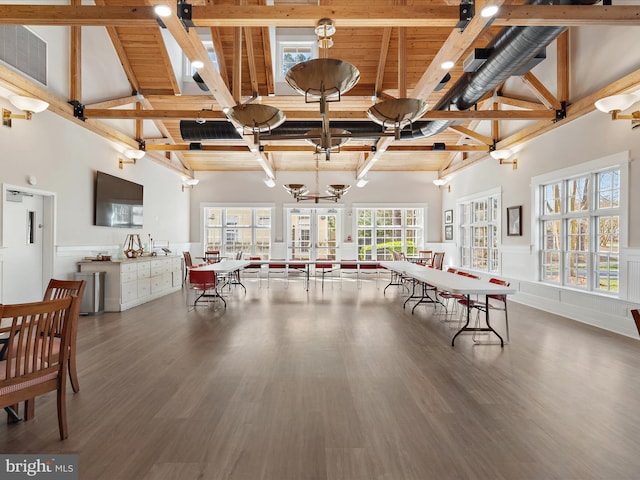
(397, 46)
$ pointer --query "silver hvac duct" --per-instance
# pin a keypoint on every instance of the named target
(511, 50)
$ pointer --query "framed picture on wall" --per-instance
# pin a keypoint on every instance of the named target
(514, 221)
(448, 232)
(448, 217)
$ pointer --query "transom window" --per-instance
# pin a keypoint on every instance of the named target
(580, 231)
(231, 229)
(293, 52)
(480, 233)
(380, 231)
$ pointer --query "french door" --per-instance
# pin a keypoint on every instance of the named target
(313, 233)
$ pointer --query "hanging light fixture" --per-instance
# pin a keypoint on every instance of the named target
(325, 29)
(300, 192)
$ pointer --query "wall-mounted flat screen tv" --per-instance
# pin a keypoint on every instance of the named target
(118, 202)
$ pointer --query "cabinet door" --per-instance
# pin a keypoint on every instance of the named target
(129, 291)
(144, 287)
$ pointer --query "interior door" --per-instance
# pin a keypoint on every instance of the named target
(23, 237)
(313, 233)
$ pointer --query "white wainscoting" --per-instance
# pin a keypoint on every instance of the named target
(592, 308)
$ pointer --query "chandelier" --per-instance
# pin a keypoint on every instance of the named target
(300, 192)
(325, 80)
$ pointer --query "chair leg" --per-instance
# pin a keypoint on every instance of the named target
(29, 409)
(73, 372)
(12, 414)
(62, 409)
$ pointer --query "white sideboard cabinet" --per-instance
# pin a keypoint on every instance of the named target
(132, 282)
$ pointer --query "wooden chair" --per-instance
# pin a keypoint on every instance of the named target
(438, 259)
(204, 284)
(425, 256)
(636, 317)
(188, 263)
(37, 354)
(60, 289)
(212, 256)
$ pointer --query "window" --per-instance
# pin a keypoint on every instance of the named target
(480, 233)
(379, 231)
(190, 70)
(293, 52)
(580, 231)
(231, 229)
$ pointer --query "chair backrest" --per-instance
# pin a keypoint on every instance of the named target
(202, 279)
(239, 255)
(188, 262)
(33, 355)
(425, 254)
(253, 266)
(499, 281)
(65, 288)
(636, 317)
(279, 264)
(438, 259)
(451, 270)
(212, 256)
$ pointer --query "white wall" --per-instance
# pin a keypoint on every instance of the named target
(414, 188)
(64, 158)
(590, 138)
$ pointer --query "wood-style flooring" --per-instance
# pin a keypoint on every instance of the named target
(340, 383)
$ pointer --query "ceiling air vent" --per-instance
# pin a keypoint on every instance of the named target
(24, 50)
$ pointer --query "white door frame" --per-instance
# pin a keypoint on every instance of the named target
(48, 231)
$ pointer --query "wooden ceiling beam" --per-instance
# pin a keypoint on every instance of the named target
(217, 47)
(519, 103)
(467, 132)
(563, 59)
(160, 114)
(540, 91)
(185, 147)
(307, 15)
(626, 84)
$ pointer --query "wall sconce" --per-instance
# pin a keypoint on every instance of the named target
(27, 104)
(617, 103)
(502, 156)
(362, 182)
(132, 156)
(441, 182)
(189, 183)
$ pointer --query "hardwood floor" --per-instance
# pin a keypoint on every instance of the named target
(340, 384)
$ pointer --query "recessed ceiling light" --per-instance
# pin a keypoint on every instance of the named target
(489, 11)
(197, 64)
(162, 10)
(447, 65)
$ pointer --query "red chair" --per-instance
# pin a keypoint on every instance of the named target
(349, 267)
(204, 284)
(324, 266)
(499, 303)
(277, 267)
(254, 268)
(636, 318)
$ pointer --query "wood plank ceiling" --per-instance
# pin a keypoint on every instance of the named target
(396, 56)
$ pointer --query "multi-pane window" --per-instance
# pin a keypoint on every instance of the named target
(479, 234)
(380, 231)
(580, 228)
(233, 229)
(292, 53)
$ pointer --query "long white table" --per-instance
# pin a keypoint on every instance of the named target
(227, 267)
(451, 282)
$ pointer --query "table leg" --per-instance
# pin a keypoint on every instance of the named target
(466, 328)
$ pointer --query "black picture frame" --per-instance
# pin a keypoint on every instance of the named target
(514, 221)
(448, 232)
(448, 217)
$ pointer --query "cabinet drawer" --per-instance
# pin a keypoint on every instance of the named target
(129, 291)
(144, 270)
(128, 267)
(144, 287)
(160, 283)
(128, 276)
